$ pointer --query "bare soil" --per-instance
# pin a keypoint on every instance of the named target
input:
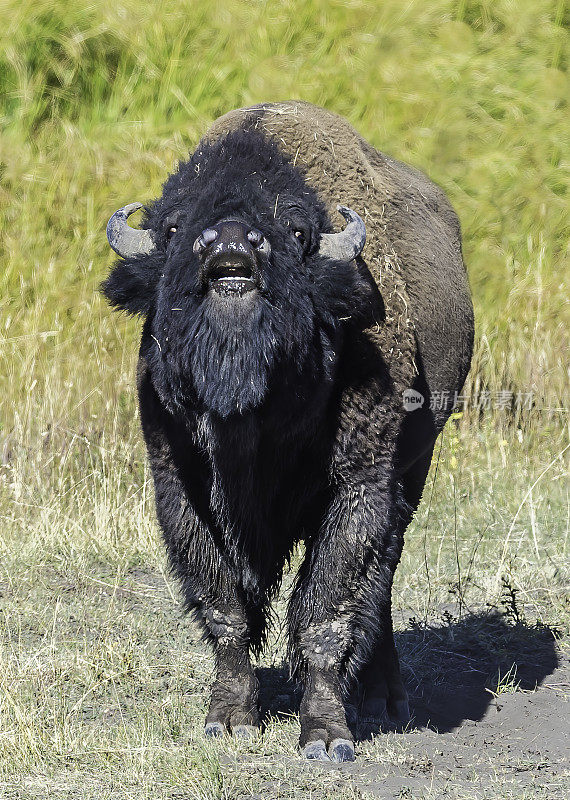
(491, 715)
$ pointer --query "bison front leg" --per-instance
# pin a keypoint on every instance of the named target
(339, 607)
(230, 623)
(230, 620)
(234, 698)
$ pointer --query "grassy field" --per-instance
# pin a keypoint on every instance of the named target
(104, 683)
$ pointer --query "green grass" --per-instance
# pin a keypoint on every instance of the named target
(98, 101)
(103, 683)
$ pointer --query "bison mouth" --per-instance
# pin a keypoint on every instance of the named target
(231, 275)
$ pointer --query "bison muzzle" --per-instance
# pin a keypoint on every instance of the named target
(275, 359)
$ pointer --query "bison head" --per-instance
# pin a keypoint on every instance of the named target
(239, 279)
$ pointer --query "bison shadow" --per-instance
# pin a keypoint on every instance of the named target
(451, 669)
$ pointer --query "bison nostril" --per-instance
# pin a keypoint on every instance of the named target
(205, 240)
(209, 235)
(254, 237)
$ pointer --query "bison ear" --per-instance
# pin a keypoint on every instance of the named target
(131, 285)
(347, 290)
(372, 310)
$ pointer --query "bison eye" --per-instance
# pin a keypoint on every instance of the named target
(301, 237)
(170, 232)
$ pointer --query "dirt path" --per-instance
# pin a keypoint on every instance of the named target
(519, 747)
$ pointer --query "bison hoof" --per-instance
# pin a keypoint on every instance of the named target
(213, 730)
(316, 751)
(245, 731)
(341, 750)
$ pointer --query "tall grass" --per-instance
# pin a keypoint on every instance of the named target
(98, 101)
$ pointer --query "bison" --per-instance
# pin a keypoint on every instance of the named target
(274, 360)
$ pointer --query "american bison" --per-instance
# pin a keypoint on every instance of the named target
(274, 358)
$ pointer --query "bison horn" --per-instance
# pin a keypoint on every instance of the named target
(127, 241)
(347, 244)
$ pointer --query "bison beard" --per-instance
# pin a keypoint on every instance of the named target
(272, 412)
(227, 370)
